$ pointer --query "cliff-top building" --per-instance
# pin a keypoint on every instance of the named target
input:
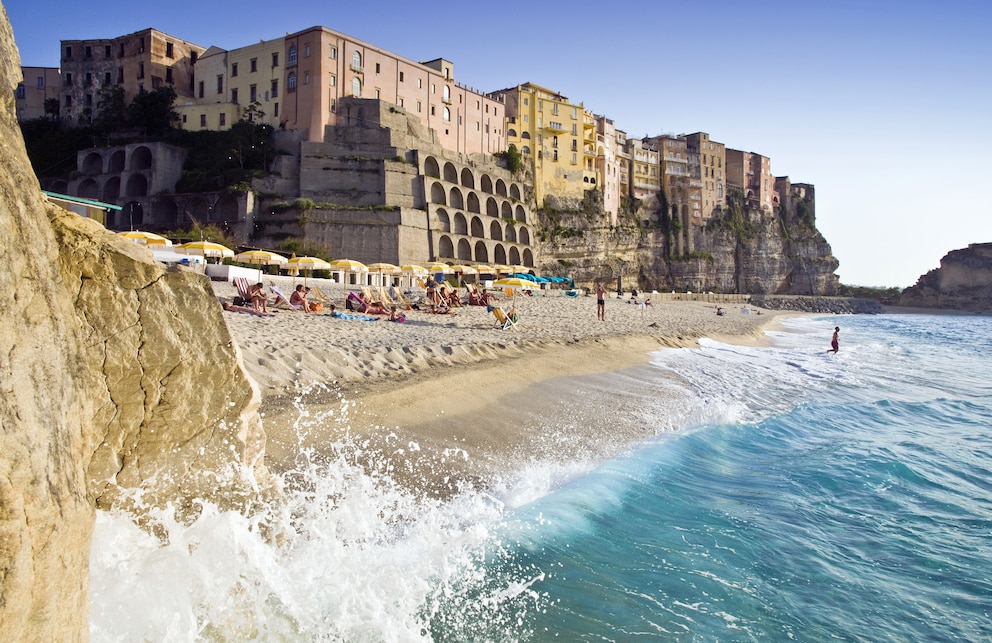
(752, 173)
(143, 61)
(707, 161)
(38, 85)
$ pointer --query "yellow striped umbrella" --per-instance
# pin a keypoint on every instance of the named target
(146, 238)
(205, 249)
(260, 258)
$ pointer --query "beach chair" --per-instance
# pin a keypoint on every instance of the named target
(282, 301)
(503, 320)
(318, 295)
(242, 286)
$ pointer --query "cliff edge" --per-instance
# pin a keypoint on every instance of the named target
(962, 282)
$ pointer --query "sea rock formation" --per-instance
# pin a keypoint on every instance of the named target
(962, 282)
(121, 387)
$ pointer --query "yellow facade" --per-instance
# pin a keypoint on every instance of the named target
(550, 132)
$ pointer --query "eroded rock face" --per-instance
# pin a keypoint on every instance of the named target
(120, 386)
(962, 282)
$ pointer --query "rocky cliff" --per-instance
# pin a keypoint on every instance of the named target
(962, 282)
(119, 379)
(739, 249)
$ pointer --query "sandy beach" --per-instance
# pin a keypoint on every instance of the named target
(458, 383)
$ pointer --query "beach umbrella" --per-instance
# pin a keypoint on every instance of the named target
(260, 258)
(502, 269)
(484, 269)
(146, 238)
(205, 249)
(468, 270)
(307, 263)
(437, 267)
(348, 265)
(413, 271)
(382, 268)
(516, 283)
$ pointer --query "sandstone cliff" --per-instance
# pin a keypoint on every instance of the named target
(119, 379)
(962, 282)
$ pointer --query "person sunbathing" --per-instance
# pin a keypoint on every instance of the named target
(256, 295)
(299, 299)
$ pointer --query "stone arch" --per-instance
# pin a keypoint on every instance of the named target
(226, 209)
(525, 149)
(116, 162)
(141, 158)
(487, 184)
(514, 256)
(495, 231)
(481, 251)
(499, 253)
(137, 185)
(511, 235)
(464, 250)
(524, 236)
(492, 208)
(112, 189)
(444, 221)
(455, 198)
(521, 214)
(461, 225)
(165, 212)
(198, 209)
(477, 228)
(444, 247)
(132, 214)
(472, 203)
(437, 194)
(88, 189)
(528, 258)
(468, 179)
(506, 210)
(514, 191)
(500, 187)
(511, 132)
(60, 186)
(525, 134)
(431, 167)
(92, 164)
(450, 173)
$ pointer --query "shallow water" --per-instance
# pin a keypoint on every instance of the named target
(781, 493)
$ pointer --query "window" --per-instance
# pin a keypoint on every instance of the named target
(68, 79)
(141, 70)
(170, 51)
(419, 107)
(274, 91)
(332, 80)
(87, 52)
(106, 78)
(333, 52)
(275, 110)
(88, 79)
(447, 94)
(446, 114)
(234, 96)
(168, 75)
(41, 82)
(120, 51)
(306, 50)
(377, 96)
(291, 60)
(433, 88)
(199, 91)
(253, 93)
(356, 87)
(400, 101)
(68, 101)
(306, 78)
(401, 77)
(291, 82)
(420, 83)
(223, 119)
(203, 120)
(334, 104)
(106, 51)
(356, 61)
(433, 110)
(234, 70)
(21, 92)
(275, 59)
(68, 52)
(89, 99)
(220, 83)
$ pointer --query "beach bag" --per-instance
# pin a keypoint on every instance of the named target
(317, 307)
(240, 301)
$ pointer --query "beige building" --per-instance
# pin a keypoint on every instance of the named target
(230, 81)
(143, 61)
(676, 184)
(550, 132)
(39, 84)
(707, 161)
(608, 166)
(752, 173)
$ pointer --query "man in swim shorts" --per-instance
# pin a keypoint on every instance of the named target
(601, 302)
(835, 342)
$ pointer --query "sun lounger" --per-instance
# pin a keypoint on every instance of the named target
(504, 320)
(282, 301)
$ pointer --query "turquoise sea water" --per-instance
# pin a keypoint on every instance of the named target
(788, 494)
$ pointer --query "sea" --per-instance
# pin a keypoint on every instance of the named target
(781, 493)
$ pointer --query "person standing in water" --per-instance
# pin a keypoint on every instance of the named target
(835, 341)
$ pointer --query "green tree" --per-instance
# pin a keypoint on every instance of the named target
(152, 111)
(112, 110)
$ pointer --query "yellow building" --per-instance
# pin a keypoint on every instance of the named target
(707, 162)
(38, 85)
(551, 133)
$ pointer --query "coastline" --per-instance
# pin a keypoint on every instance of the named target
(457, 384)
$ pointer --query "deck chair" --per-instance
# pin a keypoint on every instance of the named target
(282, 301)
(318, 295)
(242, 286)
(503, 320)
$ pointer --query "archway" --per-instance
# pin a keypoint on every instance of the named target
(92, 164)
(477, 228)
(500, 187)
(141, 158)
(464, 250)
(444, 221)
(514, 256)
(461, 225)
(499, 253)
(445, 248)
(456, 200)
(88, 189)
(495, 231)
(112, 189)
(506, 210)
(137, 185)
(431, 167)
(116, 162)
(467, 179)
(437, 194)
(521, 214)
(472, 203)
(511, 234)
(165, 213)
(514, 191)
(492, 208)
(487, 184)
(528, 257)
(450, 173)
(524, 236)
(481, 252)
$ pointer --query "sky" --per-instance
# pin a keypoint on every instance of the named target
(883, 105)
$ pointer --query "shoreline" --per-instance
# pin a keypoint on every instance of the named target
(458, 384)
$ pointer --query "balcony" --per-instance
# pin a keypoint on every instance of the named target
(355, 67)
(556, 127)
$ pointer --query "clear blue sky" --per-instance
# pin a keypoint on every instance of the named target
(884, 106)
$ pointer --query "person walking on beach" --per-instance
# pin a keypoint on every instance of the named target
(835, 341)
(601, 302)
